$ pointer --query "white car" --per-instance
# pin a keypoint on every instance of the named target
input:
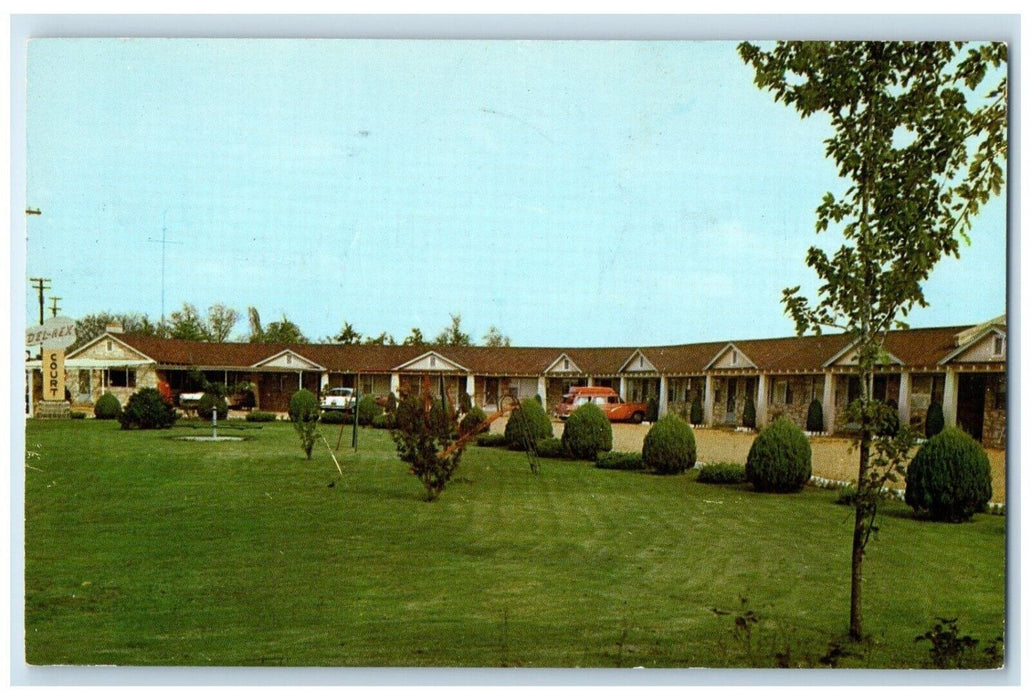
(339, 399)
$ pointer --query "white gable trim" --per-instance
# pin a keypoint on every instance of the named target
(973, 341)
(304, 364)
(744, 361)
(642, 364)
(108, 336)
(844, 352)
(559, 366)
(444, 364)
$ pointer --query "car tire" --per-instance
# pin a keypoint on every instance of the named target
(638, 417)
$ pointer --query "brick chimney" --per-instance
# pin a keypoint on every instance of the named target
(114, 327)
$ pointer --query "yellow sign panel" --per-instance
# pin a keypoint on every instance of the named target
(53, 375)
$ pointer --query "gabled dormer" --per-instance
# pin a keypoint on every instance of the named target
(730, 357)
(431, 361)
(849, 357)
(989, 345)
(288, 360)
(637, 362)
(563, 364)
(109, 349)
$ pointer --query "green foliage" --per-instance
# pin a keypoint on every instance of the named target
(814, 418)
(952, 650)
(384, 421)
(748, 415)
(107, 407)
(587, 433)
(889, 424)
(722, 473)
(472, 420)
(77, 415)
(422, 437)
(528, 422)
(669, 446)
(147, 409)
(697, 411)
(780, 459)
(260, 417)
(336, 417)
(847, 495)
(492, 440)
(949, 479)
(304, 413)
(368, 409)
(551, 447)
(623, 461)
(211, 402)
(934, 423)
(453, 335)
(465, 402)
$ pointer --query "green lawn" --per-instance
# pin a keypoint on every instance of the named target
(142, 550)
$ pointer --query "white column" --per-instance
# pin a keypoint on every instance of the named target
(708, 399)
(28, 392)
(663, 395)
(470, 388)
(828, 402)
(905, 385)
(590, 381)
(395, 383)
(542, 390)
(622, 388)
(950, 397)
(324, 382)
(300, 380)
(761, 401)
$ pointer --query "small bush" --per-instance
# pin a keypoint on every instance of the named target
(368, 409)
(624, 461)
(847, 495)
(935, 421)
(528, 422)
(780, 459)
(492, 440)
(260, 417)
(472, 420)
(107, 407)
(814, 419)
(551, 447)
(669, 446)
(304, 413)
(697, 412)
(950, 478)
(422, 440)
(336, 417)
(722, 473)
(211, 402)
(78, 415)
(391, 403)
(147, 409)
(587, 433)
(384, 421)
(748, 415)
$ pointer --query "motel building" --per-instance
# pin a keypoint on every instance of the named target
(962, 368)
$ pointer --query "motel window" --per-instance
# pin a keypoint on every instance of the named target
(782, 391)
(121, 377)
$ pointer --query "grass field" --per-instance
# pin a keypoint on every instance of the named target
(145, 550)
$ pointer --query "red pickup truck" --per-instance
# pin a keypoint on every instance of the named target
(607, 399)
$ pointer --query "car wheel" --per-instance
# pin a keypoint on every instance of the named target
(637, 417)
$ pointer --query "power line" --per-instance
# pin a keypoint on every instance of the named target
(54, 308)
(41, 284)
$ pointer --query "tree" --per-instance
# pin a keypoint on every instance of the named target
(186, 324)
(254, 322)
(414, 338)
(347, 335)
(220, 323)
(95, 325)
(284, 332)
(918, 151)
(453, 334)
(383, 338)
(423, 433)
(494, 339)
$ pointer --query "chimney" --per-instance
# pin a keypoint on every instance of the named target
(114, 327)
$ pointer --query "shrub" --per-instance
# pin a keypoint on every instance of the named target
(211, 402)
(422, 439)
(384, 421)
(528, 422)
(471, 421)
(780, 459)
(551, 447)
(722, 473)
(78, 415)
(465, 403)
(748, 415)
(697, 412)
(624, 461)
(587, 433)
(935, 421)
(814, 419)
(260, 417)
(335, 417)
(391, 403)
(950, 478)
(107, 407)
(492, 440)
(652, 414)
(304, 413)
(669, 446)
(147, 409)
(368, 409)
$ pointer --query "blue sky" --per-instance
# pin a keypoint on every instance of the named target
(570, 193)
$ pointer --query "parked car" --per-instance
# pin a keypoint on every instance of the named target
(339, 399)
(607, 399)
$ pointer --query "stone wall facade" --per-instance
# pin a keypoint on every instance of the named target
(994, 430)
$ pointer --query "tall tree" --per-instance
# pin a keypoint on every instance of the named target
(94, 325)
(283, 331)
(383, 338)
(414, 338)
(254, 325)
(220, 323)
(348, 335)
(495, 339)
(453, 334)
(919, 141)
(186, 324)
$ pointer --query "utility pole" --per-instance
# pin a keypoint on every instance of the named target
(164, 241)
(41, 284)
(54, 308)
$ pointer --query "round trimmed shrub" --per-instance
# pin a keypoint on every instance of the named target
(950, 478)
(669, 446)
(368, 409)
(211, 402)
(471, 420)
(780, 459)
(748, 415)
(722, 473)
(587, 433)
(107, 407)
(697, 413)
(528, 422)
(492, 440)
(935, 421)
(304, 406)
(814, 419)
(147, 409)
(551, 447)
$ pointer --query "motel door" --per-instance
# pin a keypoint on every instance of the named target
(731, 400)
(970, 404)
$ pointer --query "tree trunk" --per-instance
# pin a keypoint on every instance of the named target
(860, 534)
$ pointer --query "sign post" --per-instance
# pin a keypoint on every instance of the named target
(53, 336)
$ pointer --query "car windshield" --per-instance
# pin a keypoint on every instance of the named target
(340, 392)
